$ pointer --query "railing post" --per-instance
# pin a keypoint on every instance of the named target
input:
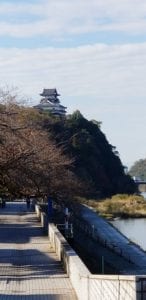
(102, 264)
(93, 228)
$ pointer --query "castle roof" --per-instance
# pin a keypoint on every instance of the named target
(49, 92)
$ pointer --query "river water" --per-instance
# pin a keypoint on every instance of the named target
(134, 229)
(144, 194)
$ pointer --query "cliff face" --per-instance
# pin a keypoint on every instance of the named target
(95, 160)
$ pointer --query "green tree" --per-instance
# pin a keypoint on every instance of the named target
(139, 169)
(95, 160)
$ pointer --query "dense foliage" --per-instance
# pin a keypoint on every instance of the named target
(139, 169)
(96, 161)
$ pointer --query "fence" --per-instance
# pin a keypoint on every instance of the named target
(87, 285)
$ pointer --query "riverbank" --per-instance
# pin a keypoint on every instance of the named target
(123, 206)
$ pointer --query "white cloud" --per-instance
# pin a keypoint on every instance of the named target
(98, 70)
(9, 8)
(105, 82)
(59, 17)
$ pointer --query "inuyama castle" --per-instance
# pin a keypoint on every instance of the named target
(51, 103)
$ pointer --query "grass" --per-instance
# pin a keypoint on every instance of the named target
(122, 205)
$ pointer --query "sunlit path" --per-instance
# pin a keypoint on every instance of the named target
(29, 269)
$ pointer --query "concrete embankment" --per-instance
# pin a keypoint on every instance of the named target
(95, 287)
(102, 247)
(98, 237)
(87, 285)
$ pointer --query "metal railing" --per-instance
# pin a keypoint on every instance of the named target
(93, 233)
(66, 229)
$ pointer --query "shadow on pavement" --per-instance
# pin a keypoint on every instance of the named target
(18, 265)
(31, 297)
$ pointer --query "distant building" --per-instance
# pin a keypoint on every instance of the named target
(51, 103)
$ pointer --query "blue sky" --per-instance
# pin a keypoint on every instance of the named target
(92, 51)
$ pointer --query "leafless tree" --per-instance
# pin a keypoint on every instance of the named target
(30, 162)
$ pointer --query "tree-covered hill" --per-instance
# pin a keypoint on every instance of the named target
(139, 169)
(41, 154)
(96, 161)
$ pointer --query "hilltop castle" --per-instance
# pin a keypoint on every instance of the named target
(51, 103)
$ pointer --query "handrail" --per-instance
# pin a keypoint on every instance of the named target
(93, 233)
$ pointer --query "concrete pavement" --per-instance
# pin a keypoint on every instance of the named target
(29, 268)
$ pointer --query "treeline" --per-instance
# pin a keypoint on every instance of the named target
(139, 169)
(41, 154)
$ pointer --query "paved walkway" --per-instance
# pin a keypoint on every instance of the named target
(29, 269)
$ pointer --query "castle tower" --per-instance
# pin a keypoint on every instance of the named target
(50, 102)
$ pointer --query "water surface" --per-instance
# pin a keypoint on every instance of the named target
(134, 229)
(143, 194)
